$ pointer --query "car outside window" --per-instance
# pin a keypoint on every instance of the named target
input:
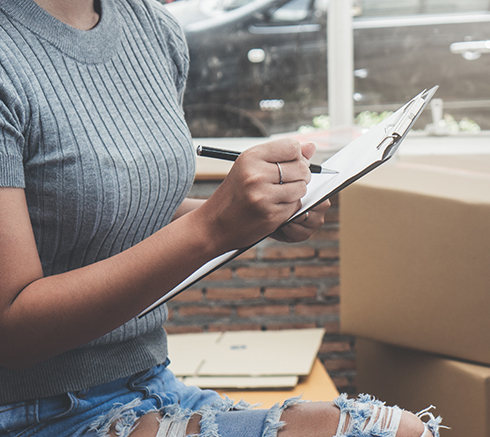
(293, 11)
(213, 7)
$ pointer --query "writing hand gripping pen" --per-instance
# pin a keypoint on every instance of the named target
(230, 155)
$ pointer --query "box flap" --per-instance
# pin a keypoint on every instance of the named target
(289, 352)
(241, 382)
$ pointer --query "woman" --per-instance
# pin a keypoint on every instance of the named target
(96, 162)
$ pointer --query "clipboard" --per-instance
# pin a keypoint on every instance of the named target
(352, 162)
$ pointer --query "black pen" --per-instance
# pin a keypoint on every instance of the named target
(230, 155)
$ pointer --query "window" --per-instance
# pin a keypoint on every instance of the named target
(446, 6)
(384, 8)
(381, 8)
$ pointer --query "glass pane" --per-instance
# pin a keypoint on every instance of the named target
(382, 8)
(441, 6)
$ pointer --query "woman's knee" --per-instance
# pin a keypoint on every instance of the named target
(411, 426)
(145, 426)
(310, 419)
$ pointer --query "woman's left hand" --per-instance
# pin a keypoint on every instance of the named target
(304, 226)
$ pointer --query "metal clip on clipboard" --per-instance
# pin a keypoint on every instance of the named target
(397, 131)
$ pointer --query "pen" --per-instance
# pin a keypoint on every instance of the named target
(230, 155)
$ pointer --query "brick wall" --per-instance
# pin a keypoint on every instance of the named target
(275, 286)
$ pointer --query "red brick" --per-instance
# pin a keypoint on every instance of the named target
(204, 311)
(290, 293)
(171, 329)
(333, 290)
(331, 327)
(248, 254)
(263, 272)
(329, 347)
(288, 252)
(332, 365)
(223, 327)
(188, 296)
(329, 252)
(232, 293)
(315, 310)
(326, 234)
(332, 215)
(219, 275)
(340, 382)
(279, 326)
(264, 310)
(316, 271)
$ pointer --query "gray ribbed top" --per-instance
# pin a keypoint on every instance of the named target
(91, 125)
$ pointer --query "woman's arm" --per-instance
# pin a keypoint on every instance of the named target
(43, 316)
(189, 204)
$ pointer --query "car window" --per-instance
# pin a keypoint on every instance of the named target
(292, 11)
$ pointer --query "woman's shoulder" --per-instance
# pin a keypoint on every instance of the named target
(166, 27)
(156, 12)
(169, 36)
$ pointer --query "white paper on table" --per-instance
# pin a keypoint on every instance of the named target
(353, 161)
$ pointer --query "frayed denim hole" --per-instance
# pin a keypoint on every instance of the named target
(172, 427)
(208, 423)
(123, 416)
(366, 416)
(209, 427)
(272, 422)
(433, 424)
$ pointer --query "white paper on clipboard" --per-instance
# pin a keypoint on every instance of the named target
(353, 161)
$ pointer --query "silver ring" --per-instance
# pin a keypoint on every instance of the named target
(280, 173)
(307, 214)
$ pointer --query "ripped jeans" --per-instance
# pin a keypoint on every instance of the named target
(91, 412)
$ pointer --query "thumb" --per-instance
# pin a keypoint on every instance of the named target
(308, 150)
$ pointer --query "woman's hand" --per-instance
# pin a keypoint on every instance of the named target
(306, 224)
(262, 190)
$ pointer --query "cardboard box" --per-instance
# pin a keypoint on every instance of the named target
(414, 380)
(415, 256)
(244, 359)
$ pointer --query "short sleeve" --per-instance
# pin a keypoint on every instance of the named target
(11, 138)
(176, 42)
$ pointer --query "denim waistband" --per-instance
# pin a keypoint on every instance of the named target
(21, 415)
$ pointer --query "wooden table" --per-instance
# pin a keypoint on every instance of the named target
(317, 386)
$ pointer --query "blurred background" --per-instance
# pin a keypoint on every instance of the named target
(259, 67)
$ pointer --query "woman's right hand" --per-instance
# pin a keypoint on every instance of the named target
(252, 202)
